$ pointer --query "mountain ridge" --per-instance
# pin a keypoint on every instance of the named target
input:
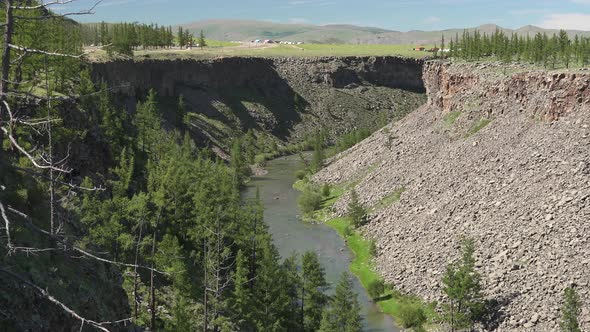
(245, 30)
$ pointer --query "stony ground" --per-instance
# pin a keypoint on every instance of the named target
(519, 186)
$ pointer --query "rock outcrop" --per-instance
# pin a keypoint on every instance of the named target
(287, 97)
(500, 155)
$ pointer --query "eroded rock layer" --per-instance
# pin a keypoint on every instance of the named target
(498, 155)
(286, 97)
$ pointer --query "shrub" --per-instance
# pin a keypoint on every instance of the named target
(347, 231)
(411, 315)
(373, 249)
(356, 211)
(376, 288)
(300, 174)
(260, 159)
(326, 190)
(310, 200)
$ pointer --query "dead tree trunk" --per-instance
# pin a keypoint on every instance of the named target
(5, 70)
(205, 313)
(135, 275)
(152, 290)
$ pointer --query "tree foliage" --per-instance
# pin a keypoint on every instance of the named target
(343, 313)
(356, 211)
(94, 188)
(570, 311)
(124, 38)
(463, 290)
(541, 48)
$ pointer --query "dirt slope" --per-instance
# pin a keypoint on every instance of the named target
(502, 158)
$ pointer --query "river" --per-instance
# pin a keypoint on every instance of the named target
(291, 235)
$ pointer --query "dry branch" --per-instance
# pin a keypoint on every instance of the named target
(52, 299)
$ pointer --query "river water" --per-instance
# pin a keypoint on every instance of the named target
(291, 235)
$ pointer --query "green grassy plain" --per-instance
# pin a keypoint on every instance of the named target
(226, 49)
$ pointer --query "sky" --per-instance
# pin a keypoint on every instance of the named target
(400, 15)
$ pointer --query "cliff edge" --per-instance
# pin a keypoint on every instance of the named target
(500, 155)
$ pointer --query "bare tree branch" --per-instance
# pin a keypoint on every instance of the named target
(57, 238)
(41, 175)
(85, 253)
(52, 299)
(7, 227)
(49, 15)
(44, 5)
(33, 50)
(30, 157)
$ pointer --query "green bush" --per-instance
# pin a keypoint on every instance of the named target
(347, 231)
(376, 288)
(356, 211)
(411, 315)
(373, 249)
(300, 174)
(310, 200)
(326, 190)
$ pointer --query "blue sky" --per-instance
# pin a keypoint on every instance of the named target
(400, 15)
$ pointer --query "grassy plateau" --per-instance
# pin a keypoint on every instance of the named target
(226, 49)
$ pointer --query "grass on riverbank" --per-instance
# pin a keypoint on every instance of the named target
(391, 302)
(402, 307)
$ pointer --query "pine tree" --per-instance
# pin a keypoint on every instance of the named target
(317, 159)
(565, 48)
(180, 37)
(343, 314)
(148, 122)
(242, 301)
(272, 305)
(356, 211)
(294, 286)
(462, 287)
(180, 111)
(570, 311)
(313, 299)
(202, 41)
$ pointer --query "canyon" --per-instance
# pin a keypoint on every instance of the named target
(287, 98)
(499, 154)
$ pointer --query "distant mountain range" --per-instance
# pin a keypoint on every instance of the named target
(243, 30)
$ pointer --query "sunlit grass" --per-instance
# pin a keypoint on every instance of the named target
(228, 49)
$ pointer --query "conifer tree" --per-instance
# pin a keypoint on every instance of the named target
(572, 307)
(313, 299)
(343, 314)
(356, 211)
(462, 287)
(242, 295)
(202, 41)
(294, 286)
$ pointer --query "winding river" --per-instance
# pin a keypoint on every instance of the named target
(291, 235)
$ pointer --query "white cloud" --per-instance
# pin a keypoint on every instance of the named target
(431, 20)
(570, 21)
(298, 20)
(310, 3)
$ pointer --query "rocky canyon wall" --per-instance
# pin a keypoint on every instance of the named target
(287, 97)
(499, 154)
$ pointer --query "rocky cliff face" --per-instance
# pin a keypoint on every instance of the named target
(287, 97)
(498, 155)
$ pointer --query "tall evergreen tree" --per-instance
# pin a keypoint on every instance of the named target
(356, 211)
(572, 307)
(343, 314)
(313, 299)
(202, 41)
(462, 287)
